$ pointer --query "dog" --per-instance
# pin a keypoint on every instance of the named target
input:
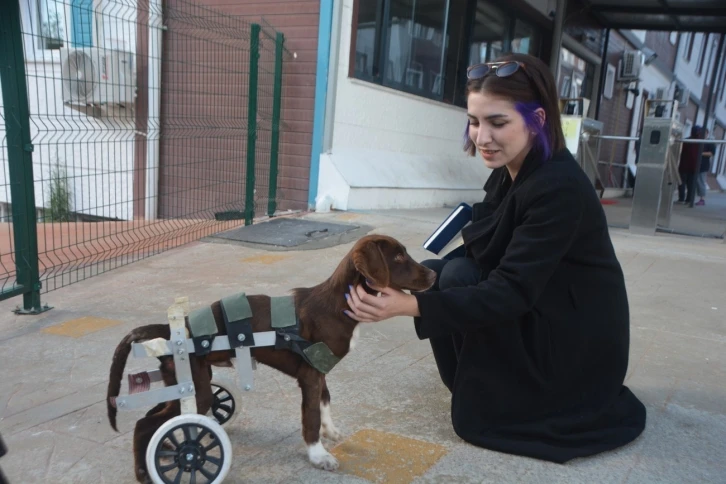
(379, 259)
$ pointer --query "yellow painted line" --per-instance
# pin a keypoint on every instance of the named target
(384, 457)
(266, 258)
(77, 328)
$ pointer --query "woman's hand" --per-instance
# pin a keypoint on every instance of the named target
(368, 308)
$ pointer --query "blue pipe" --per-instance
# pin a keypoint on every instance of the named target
(321, 88)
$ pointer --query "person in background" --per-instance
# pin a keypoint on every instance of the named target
(701, 184)
(687, 167)
(530, 330)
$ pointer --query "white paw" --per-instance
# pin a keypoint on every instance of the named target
(321, 458)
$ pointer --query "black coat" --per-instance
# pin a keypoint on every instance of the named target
(546, 333)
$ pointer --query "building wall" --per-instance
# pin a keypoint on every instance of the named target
(403, 148)
(687, 70)
(665, 44)
(298, 21)
(617, 117)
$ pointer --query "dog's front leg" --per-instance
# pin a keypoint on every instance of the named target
(311, 384)
(327, 427)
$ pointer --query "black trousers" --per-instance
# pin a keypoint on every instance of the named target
(687, 188)
(460, 272)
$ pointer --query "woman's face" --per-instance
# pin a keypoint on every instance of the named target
(498, 131)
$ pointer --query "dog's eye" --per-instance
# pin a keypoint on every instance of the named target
(399, 258)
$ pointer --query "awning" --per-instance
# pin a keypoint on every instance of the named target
(668, 15)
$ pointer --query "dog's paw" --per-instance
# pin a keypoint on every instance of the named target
(332, 433)
(321, 458)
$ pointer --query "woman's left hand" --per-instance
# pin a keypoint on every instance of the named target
(369, 308)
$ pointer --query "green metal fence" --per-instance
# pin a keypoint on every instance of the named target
(129, 129)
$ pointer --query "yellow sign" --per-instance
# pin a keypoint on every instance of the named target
(571, 127)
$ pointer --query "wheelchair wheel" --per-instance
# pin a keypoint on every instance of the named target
(225, 406)
(189, 444)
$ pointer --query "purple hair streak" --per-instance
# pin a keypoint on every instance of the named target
(532, 121)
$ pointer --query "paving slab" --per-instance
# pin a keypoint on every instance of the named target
(55, 368)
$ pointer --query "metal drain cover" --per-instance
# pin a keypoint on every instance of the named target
(292, 233)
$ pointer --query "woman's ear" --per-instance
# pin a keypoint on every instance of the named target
(541, 116)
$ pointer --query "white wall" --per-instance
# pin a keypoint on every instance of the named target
(96, 154)
(687, 71)
(403, 150)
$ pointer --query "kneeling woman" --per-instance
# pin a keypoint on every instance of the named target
(530, 331)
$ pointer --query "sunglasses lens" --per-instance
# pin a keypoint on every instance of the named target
(479, 71)
(506, 70)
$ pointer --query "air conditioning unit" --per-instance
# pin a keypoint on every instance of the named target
(95, 76)
(630, 65)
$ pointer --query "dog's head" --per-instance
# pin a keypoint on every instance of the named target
(384, 262)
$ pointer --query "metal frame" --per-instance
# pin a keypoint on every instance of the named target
(180, 346)
(657, 176)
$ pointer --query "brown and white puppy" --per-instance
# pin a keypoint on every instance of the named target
(380, 259)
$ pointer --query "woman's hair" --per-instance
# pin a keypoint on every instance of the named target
(528, 91)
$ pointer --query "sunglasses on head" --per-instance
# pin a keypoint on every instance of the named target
(499, 69)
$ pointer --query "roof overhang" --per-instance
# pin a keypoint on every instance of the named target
(668, 15)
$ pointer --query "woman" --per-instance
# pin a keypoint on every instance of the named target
(704, 168)
(530, 331)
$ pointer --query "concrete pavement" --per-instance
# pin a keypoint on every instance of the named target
(387, 397)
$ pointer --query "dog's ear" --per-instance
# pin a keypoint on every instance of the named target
(369, 261)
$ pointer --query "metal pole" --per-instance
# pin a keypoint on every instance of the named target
(252, 125)
(557, 38)
(603, 73)
(275, 136)
(707, 114)
(618, 138)
(20, 162)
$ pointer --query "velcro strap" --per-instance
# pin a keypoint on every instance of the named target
(238, 320)
(237, 307)
(282, 309)
(317, 355)
(320, 357)
(201, 322)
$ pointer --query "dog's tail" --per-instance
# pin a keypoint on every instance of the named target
(143, 333)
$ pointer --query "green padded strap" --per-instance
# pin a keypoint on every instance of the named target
(320, 357)
(237, 307)
(282, 309)
(201, 322)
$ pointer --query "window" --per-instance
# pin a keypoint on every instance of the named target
(609, 82)
(702, 55)
(424, 46)
(688, 43)
(576, 77)
(401, 44)
(53, 24)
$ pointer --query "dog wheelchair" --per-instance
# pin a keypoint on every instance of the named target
(196, 444)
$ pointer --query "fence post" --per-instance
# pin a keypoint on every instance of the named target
(275, 138)
(252, 125)
(20, 161)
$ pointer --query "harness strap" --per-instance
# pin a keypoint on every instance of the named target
(238, 320)
(317, 355)
(203, 329)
